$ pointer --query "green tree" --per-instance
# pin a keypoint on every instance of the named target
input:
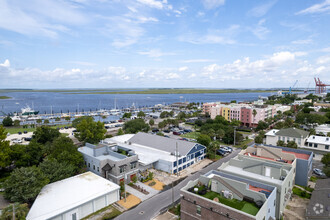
(64, 151)
(77, 121)
(17, 123)
(46, 121)
(45, 134)
(162, 124)
(5, 150)
(254, 113)
(7, 121)
(136, 125)
(24, 184)
(21, 211)
(67, 118)
(164, 114)
(220, 133)
(328, 134)
(261, 126)
(56, 171)
(90, 131)
(235, 122)
(258, 139)
(181, 116)
(57, 119)
(151, 122)
(120, 131)
(280, 143)
(211, 150)
(292, 144)
(127, 115)
(33, 154)
(312, 131)
(326, 159)
(141, 114)
(204, 139)
(39, 121)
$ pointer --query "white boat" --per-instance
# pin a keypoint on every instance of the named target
(28, 111)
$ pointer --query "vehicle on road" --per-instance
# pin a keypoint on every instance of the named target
(221, 152)
(227, 149)
(318, 172)
(176, 132)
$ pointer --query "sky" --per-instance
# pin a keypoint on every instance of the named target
(164, 43)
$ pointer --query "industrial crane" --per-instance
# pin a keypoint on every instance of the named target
(290, 89)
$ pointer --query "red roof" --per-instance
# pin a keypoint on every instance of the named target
(298, 155)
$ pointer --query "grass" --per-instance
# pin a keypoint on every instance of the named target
(243, 143)
(313, 179)
(5, 97)
(301, 193)
(244, 206)
(175, 210)
(115, 212)
(307, 188)
(192, 135)
(15, 130)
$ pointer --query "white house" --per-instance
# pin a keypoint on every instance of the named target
(320, 143)
(287, 134)
(73, 198)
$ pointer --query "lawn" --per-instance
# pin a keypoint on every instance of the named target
(313, 179)
(244, 206)
(15, 130)
(243, 143)
(5, 97)
(301, 193)
(192, 135)
(109, 215)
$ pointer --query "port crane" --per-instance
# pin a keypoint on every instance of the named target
(290, 89)
(320, 87)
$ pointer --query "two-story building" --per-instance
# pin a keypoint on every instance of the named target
(111, 161)
(287, 134)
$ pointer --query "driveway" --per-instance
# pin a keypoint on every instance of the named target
(151, 207)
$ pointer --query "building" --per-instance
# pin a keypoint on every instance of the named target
(111, 161)
(322, 129)
(287, 134)
(227, 196)
(302, 102)
(207, 107)
(273, 173)
(318, 144)
(159, 152)
(319, 204)
(74, 198)
(301, 160)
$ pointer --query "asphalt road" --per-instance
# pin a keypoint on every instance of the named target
(151, 207)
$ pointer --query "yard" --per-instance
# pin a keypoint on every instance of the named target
(15, 130)
(301, 193)
(192, 135)
(244, 206)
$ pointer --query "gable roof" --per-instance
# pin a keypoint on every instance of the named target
(162, 143)
(61, 196)
(292, 132)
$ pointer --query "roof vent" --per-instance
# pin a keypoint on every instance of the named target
(327, 139)
(313, 137)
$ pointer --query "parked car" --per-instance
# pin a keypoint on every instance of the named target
(227, 149)
(25, 132)
(176, 132)
(318, 172)
(19, 133)
(27, 138)
(167, 131)
(16, 141)
(155, 130)
(187, 130)
(221, 152)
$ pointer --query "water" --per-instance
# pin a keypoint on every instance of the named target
(44, 102)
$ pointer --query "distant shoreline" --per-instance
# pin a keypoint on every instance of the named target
(5, 97)
(179, 91)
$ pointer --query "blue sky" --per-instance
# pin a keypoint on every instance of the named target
(163, 43)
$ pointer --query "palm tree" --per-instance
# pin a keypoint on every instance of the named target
(21, 210)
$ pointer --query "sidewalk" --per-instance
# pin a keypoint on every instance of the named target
(139, 194)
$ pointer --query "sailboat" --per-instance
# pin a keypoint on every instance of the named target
(115, 111)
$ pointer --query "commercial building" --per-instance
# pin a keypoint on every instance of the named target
(287, 134)
(273, 173)
(219, 195)
(111, 161)
(159, 152)
(301, 160)
(74, 198)
(319, 204)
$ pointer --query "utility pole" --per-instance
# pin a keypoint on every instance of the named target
(14, 215)
(234, 135)
(176, 155)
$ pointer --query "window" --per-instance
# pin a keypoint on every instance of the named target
(74, 216)
(98, 169)
(174, 164)
(133, 165)
(310, 144)
(89, 165)
(278, 138)
(188, 158)
(327, 147)
(180, 161)
(201, 151)
(93, 167)
(274, 202)
(122, 169)
(184, 160)
(315, 145)
(198, 210)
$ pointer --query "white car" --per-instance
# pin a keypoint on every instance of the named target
(16, 141)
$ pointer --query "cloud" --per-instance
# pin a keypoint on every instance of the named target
(172, 76)
(82, 63)
(323, 60)
(214, 36)
(198, 61)
(39, 18)
(5, 64)
(326, 50)
(306, 41)
(260, 30)
(183, 68)
(212, 4)
(261, 10)
(156, 4)
(323, 7)
(155, 53)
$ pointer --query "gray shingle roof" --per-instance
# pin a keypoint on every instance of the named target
(292, 132)
(162, 143)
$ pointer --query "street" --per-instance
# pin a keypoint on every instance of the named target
(151, 207)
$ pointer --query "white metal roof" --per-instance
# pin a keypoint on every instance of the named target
(319, 140)
(272, 132)
(61, 196)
